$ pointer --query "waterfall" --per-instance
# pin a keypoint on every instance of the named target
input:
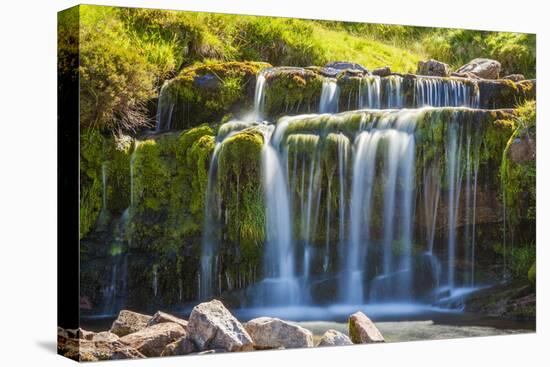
(279, 265)
(165, 108)
(369, 92)
(357, 168)
(394, 97)
(259, 96)
(438, 92)
(360, 211)
(454, 171)
(330, 95)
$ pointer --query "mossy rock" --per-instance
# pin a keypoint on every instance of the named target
(241, 193)
(292, 91)
(208, 91)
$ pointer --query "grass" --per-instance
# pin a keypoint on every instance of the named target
(371, 53)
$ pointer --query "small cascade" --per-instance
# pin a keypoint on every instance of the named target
(394, 95)
(440, 92)
(279, 268)
(364, 171)
(165, 109)
(369, 92)
(209, 283)
(330, 95)
(259, 97)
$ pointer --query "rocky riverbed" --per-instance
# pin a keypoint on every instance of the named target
(212, 328)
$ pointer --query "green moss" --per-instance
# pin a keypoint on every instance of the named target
(208, 91)
(91, 188)
(241, 193)
(519, 179)
(292, 91)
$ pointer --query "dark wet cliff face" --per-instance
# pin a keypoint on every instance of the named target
(391, 204)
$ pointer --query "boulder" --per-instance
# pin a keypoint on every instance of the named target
(483, 68)
(273, 333)
(212, 326)
(95, 350)
(382, 72)
(523, 149)
(433, 67)
(333, 338)
(152, 340)
(362, 330)
(466, 75)
(105, 336)
(514, 77)
(180, 347)
(332, 69)
(160, 317)
(129, 322)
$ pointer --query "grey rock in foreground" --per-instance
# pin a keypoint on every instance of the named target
(273, 333)
(333, 338)
(105, 336)
(160, 317)
(152, 340)
(433, 67)
(129, 322)
(212, 326)
(483, 68)
(180, 347)
(362, 330)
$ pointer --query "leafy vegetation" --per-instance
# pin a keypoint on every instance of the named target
(126, 54)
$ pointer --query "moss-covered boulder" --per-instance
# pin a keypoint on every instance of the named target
(242, 200)
(207, 92)
(292, 91)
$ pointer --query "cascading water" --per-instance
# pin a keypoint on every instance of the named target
(259, 96)
(330, 95)
(369, 92)
(392, 87)
(373, 175)
(165, 109)
(438, 92)
(279, 268)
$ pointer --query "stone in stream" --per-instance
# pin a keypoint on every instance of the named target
(433, 67)
(180, 347)
(362, 330)
(212, 326)
(333, 338)
(484, 68)
(160, 317)
(152, 340)
(273, 333)
(129, 322)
